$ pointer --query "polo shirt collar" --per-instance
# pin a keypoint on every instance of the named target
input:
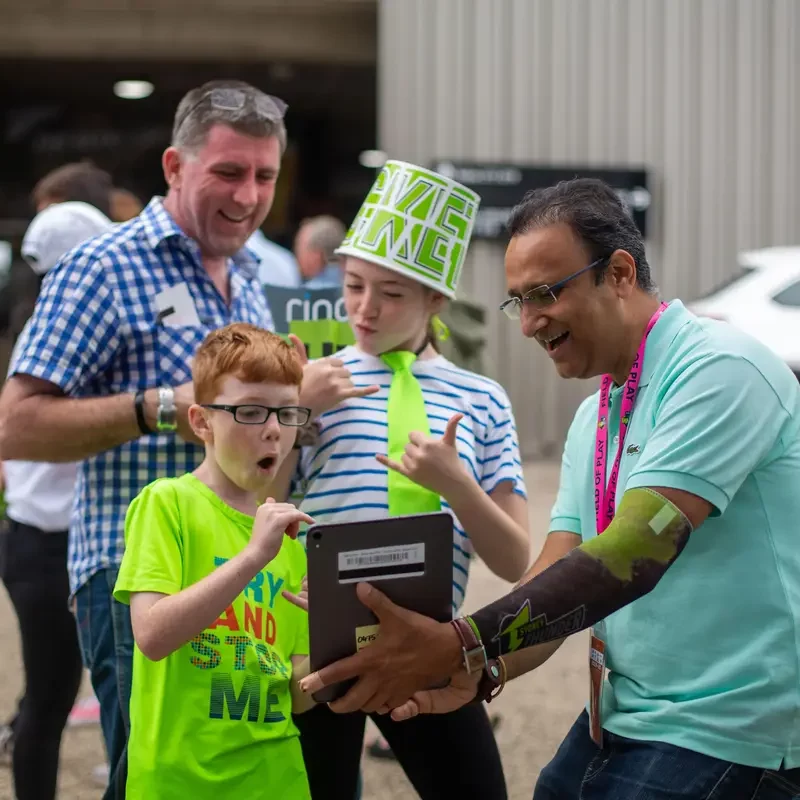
(662, 336)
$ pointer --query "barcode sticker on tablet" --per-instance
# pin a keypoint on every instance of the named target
(382, 563)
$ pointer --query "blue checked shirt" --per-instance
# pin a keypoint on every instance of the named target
(95, 333)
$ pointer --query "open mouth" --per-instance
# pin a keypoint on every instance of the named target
(268, 462)
(234, 220)
(552, 344)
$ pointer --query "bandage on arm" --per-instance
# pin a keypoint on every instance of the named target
(594, 580)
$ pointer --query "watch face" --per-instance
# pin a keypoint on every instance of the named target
(166, 417)
(166, 399)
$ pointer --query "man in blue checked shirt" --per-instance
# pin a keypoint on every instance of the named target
(103, 373)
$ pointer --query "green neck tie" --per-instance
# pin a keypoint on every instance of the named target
(406, 413)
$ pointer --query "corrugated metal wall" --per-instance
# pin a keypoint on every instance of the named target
(704, 93)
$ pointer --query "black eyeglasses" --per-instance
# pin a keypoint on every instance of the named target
(291, 416)
(543, 296)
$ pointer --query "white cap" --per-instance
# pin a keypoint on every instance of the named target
(57, 229)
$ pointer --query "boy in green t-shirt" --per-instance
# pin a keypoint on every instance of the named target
(218, 647)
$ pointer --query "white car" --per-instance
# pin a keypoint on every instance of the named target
(763, 299)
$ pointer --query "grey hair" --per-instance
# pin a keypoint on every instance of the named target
(325, 233)
(259, 115)
(596, 215)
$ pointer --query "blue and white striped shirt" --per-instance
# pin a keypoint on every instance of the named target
(341, 479)
(95, 333)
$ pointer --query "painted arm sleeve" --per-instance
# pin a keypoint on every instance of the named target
(594, 580)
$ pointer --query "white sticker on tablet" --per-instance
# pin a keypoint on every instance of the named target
(382, 563)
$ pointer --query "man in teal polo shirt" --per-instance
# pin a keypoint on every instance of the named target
(673, 537)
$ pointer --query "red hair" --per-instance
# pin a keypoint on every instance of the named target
(247, 352)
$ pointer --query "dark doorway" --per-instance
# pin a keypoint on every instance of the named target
(53, 112)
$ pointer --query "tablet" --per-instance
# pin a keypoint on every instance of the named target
(409, 558)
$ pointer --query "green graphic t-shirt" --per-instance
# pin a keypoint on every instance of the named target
(213, 719)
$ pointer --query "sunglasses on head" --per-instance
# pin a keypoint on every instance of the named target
(266, 106)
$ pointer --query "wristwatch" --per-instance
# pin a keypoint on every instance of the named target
(472, 649)
(141, 420)
(167, 416)
(493, 677)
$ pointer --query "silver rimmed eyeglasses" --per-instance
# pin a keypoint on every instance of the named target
(542, 296)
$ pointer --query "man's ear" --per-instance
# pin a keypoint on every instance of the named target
(621, 272)
(199, 422)
(171, 163)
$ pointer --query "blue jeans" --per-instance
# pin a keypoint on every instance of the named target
(106, 639)
(627, 768)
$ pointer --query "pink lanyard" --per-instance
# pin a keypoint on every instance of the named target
(604, 498)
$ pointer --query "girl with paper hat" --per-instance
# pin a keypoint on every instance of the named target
(445, 439)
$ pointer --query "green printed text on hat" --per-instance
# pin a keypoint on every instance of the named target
(416, 222)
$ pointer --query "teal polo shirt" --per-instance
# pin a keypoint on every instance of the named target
(709, 660)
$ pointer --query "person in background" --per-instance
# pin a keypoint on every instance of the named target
(313, 265)
(276, 264)
(314, 248)
(80, 180)
(125, 205)
(77, 181)
(39, 497)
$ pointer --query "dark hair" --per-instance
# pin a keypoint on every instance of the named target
(81, 181)
(597, 216)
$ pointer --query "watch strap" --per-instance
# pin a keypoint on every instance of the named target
(473, 651)
(492, 681)
(141, 420)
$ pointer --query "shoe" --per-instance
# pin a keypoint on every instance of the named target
(85, 712)
(6, 745)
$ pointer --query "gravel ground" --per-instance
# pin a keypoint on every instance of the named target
(536, 710)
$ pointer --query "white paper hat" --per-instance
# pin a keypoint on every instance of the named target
(57, 229)
(416, 222)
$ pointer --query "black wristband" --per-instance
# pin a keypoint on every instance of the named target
(138, 404)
